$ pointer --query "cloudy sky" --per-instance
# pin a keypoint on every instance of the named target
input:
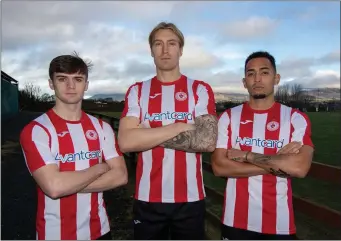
(304, 37)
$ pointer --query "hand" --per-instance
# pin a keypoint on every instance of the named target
(291, 148)
(143, 125)
(102, 167)
(236, 155)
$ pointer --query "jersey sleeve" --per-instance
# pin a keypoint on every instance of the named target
(131, 103)
(223, 131)
(206, 102)
(34, 141)
(110, 148)
(301, 128)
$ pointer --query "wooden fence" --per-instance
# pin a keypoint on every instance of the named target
(318, 170)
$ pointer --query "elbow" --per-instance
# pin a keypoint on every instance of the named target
(210, 148)
(124, 146)
(52, 190)
(216, 169)
(301, 172)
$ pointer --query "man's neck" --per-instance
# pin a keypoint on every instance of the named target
(168, 76)
(262, 104)
(70, 112)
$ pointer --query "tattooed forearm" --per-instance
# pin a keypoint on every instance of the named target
(202, 139)
(279, 173)
(267, 162)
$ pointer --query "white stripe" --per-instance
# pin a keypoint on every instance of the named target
(52, 219)
(105, 227)
(202, 104)
(144, 101)
(192, 186)
(255, 182)
(80, 144)
(144, 186)
(133, 106)
(231, 195)
(41, 140)
(191, 100)
(168, 162)
(300, 126)
(282, 208)
(236, 113)
(224, 122)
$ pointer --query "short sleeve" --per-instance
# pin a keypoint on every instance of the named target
(301, 128)
(131, 103)
(34, 141)
(110, 148)
(223, 131)
(206, 102)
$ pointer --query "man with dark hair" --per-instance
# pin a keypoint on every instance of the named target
(261, 145)
(178, 119)
(73, 157)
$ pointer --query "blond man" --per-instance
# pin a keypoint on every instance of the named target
(169, 120)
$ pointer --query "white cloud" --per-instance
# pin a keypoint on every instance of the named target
(250, 28)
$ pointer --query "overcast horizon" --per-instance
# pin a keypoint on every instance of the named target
(304, 37)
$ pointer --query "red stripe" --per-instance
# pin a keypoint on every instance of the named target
(269, 193)
(93, 145)
(154, 106)
(180, 166)
(199, 176)
(229, 146)
(68, 204)
(242, 193)
(292, 227)
(139, 168)
(40, 221)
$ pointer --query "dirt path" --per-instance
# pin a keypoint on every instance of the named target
(18, 192)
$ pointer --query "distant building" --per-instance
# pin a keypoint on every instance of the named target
(9, 96)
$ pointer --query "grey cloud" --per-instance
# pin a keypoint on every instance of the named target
(327, 80)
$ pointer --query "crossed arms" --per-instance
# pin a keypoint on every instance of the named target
(198, 137)
(55, 183)
(293, 160)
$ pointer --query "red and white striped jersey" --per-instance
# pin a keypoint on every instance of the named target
(261, 203)
(162, 174)
(73, 146)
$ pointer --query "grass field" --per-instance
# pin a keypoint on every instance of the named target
(326, 130)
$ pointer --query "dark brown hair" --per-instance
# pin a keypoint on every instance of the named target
(69, 64)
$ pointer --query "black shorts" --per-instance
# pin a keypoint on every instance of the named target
(169, 220)
(106, 236)
(242, 234)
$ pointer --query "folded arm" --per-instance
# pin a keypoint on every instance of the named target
(115, 177)
(56, 184)
(132, 138)
(202, 139)
(224, 167)
(284, 165)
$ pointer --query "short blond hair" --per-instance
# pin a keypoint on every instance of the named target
(170, 26)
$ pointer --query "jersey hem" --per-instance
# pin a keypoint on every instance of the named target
(282, 232)
(154, 200)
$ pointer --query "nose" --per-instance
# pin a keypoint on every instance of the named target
(165, 48)
(71, 84)
(258, 77)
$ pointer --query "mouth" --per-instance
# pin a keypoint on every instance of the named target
(258, 88)
(165, 58)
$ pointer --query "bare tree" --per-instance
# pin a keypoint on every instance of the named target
(296, 92)
(282, 93)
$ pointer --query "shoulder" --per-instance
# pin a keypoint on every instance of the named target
(38, 127)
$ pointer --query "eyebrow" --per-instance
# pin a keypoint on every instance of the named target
(155, 40)
(263, 68)
(77, 76)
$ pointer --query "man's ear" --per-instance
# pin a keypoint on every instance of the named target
(51, 84)
(244, 83)
(277, 79)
